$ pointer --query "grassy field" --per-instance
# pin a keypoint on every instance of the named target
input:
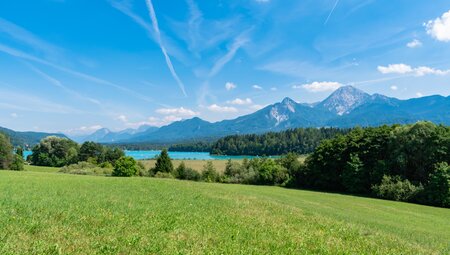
(194, 164)
(49, 213)
(198, 164)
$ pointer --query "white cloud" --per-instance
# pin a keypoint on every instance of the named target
(122, 118)
(230, 86)
(262, 1)
(319, 86)
(217, 108)
(414, 44)
(179, 112)
(14, 115)
(407, 69)
(395, 68)
(419, 94)
(239, 101)
(257, 87)
(273, 89)
(439, 28)
(393, 87)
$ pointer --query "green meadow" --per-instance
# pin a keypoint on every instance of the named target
(43, 212)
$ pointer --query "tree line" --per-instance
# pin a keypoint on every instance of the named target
(399, 162)
(299, 140)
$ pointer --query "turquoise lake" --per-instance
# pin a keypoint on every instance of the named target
(173, 154)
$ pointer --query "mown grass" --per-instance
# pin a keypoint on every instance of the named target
(48, 213)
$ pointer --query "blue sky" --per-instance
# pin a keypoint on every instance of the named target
(76, 65)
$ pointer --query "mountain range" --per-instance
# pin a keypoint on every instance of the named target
(345, 107)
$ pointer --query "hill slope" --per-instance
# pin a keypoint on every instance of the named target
(26, 139)
(158, 216)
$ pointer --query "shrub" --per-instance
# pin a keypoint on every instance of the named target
(185, 173)
(237, 173)
(17, 163)
(209, 173)
(163, 175)
(269, 172)
(85, 168)
(142, 171)
(394, 188)
(125, 167)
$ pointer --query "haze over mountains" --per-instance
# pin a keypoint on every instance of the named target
(346, 107)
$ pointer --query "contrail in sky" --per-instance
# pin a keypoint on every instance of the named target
(152, 14)
(332, 10)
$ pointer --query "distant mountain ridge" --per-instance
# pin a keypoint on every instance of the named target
(345, 107)
(105, 135)
(28, 138)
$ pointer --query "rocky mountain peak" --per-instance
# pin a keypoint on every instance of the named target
(344, 100)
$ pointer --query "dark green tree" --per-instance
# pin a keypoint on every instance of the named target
(163, 163)
(93, 151)
(437, 191)
(6, 152)
(209, 173)
(55, 151)
(125, 167)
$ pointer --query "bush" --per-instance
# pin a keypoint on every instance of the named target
(237, 173)
(185, 173)
(17, 163)
(163, 175)
(209, 173)
(125, 167)
(85, 168)
(394, 188)
(269, 172)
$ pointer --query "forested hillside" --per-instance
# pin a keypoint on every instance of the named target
(26, 139)
(300, 140)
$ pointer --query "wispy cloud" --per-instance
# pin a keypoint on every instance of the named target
(90, 78)
(59, 84)
(240, 41)
(414, 44)
(9, 99)
(152, 14)
(24, 36)
(230, 86)
(331, 12)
